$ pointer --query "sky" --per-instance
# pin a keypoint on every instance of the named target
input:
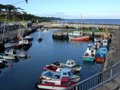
(70, 9)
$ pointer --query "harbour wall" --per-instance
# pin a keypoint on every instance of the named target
(81, 26)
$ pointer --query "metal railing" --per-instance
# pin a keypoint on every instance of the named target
(98, 79)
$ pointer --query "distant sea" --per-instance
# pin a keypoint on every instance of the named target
(91, 21)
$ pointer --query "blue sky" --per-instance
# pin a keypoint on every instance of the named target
(90, 9)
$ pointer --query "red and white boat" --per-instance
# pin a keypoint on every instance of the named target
(79, 38)
(56, 66)
(56, 85)
(56, 81)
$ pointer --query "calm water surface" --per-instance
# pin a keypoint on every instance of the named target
(25, 73)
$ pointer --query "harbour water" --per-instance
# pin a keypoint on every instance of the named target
(25, 73)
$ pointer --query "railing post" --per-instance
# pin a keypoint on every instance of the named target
(76, 88)
(111, 71)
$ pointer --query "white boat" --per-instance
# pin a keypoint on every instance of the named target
(77, 33)
(28, 37)
(59, 82)
(97, 43)
(7, 57)
(56, 66)
(11, 52)
(22, 55)
(16, 54)
(39, 38)
(22, 43)
(90, 53)
(104, 42)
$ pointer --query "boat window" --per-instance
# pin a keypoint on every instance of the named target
(92, 51)
(86, 54)
(72, 63)
(57, 76)
(69, 73)
(92, 55)
(68, 63)
(64, 73)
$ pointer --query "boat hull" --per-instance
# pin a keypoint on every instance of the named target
(51, 87)
(100, 59)
(83, 38)
(88, 59)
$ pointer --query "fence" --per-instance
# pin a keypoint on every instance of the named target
(98, 79)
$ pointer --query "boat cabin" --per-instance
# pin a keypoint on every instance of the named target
(70, 63)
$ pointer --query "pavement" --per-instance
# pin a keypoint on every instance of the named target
(112, 58)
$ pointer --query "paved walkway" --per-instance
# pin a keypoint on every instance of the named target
(112, 58)
(113, 85)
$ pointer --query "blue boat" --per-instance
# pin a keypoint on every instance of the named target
(66, 72)
(101, 54)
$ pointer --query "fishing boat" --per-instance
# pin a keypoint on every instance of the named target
(28, 37)
(56, 85)
(79, 38)
(39, 37)
(56, 66)
(58, 81)
(22, 55)
(2, 62)
(57, 75)
(104, 42)
(22, 43)
(10, 52)
(89, 55)
(101, 54)
(97, 43)
(7, 57)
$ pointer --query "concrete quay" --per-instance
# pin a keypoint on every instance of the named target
(113, 85)
(112, 58)
(22, 30)
(73, 25)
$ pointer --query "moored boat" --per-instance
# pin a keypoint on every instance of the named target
(28, 37)
(56, 66)
(57, 81)
(39, 38)
(22, 43)
(79, 38)
(2, 62)
(101, 54)
(55, 85)
(67, 72)
(89, 55)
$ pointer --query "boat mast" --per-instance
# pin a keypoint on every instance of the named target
(81, 18)
(4, 28)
